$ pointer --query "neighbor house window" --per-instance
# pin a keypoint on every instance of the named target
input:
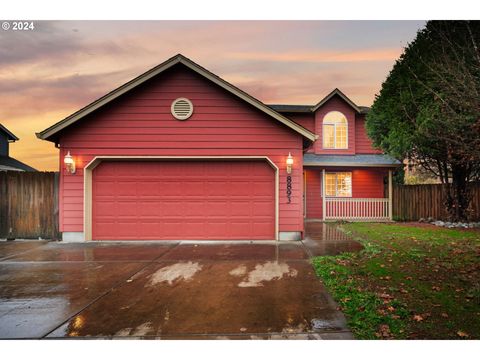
(335, 131)
(338, 184)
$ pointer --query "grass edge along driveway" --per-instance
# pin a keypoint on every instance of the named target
(409, 282)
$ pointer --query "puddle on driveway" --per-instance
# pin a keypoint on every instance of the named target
(182, 271)
(271, 270)
(325, 239)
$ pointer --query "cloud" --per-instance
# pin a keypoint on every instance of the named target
(321, 56)
(51, 72)
(20, 97)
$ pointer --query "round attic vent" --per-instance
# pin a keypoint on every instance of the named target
(182, 108)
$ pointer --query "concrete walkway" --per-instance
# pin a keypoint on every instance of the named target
(164, 290)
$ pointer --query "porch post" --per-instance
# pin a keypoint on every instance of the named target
(390, 215)
(324, 204)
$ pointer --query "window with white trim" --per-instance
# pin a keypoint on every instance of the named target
(338, 184)
(335, 131)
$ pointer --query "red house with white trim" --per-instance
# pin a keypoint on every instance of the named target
(180, 154)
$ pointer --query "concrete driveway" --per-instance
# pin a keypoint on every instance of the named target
(175, 290)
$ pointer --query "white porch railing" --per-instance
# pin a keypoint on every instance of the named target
(357, 209)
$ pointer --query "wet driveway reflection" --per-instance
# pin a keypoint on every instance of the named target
(174, 290)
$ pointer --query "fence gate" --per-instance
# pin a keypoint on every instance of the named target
(29, 205)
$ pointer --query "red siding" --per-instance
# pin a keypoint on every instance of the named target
(305, 120)
(313, 193)
(141, 124)
(363, 144)
(366, 183)
(335, 104)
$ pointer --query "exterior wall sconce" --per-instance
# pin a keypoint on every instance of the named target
(69, 163)
(289, 163)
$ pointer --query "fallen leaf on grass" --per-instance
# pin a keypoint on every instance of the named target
(391, 308)
(385, 296)
(444, 315)
(435, 288)
(383, 331)
(462, 334)
(418, 318)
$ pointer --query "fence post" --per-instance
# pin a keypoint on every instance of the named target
(390, 215)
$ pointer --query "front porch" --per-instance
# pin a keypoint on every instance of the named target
(360, 209)
(350, 192)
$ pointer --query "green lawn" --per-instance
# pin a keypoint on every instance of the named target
(408, 283)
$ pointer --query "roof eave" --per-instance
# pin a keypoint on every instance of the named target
(339, 164)
(11, 136)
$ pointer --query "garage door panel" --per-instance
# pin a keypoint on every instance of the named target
(105, 208)
(183, 200)
(192, 188)
(192, 208)
(104, 188)
(261, 187)
(149, 189)
(168, 187)
(126, 209)
(217, 209)
(262, 208)
(242, 229)
(125, 188)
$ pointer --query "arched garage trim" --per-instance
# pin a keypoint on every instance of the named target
(87, 210)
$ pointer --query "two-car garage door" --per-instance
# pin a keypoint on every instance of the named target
(182, 200)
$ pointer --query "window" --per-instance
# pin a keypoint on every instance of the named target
(338, 184)
(335, 131)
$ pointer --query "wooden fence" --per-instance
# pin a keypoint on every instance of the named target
(412, 202)
(28, 205)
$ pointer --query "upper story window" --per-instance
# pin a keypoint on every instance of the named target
(335, 131)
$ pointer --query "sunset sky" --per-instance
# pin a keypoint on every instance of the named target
(50, 72)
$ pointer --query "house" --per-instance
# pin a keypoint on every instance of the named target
(179, 153)
(7, 162)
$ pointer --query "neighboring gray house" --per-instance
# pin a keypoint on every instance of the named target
(6, 162)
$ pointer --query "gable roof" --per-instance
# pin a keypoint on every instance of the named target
(8, 163)
(338, 93)
(9, 134)
(48, 133)
(283, 108)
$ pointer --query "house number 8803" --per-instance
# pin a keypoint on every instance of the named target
(289, 189)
